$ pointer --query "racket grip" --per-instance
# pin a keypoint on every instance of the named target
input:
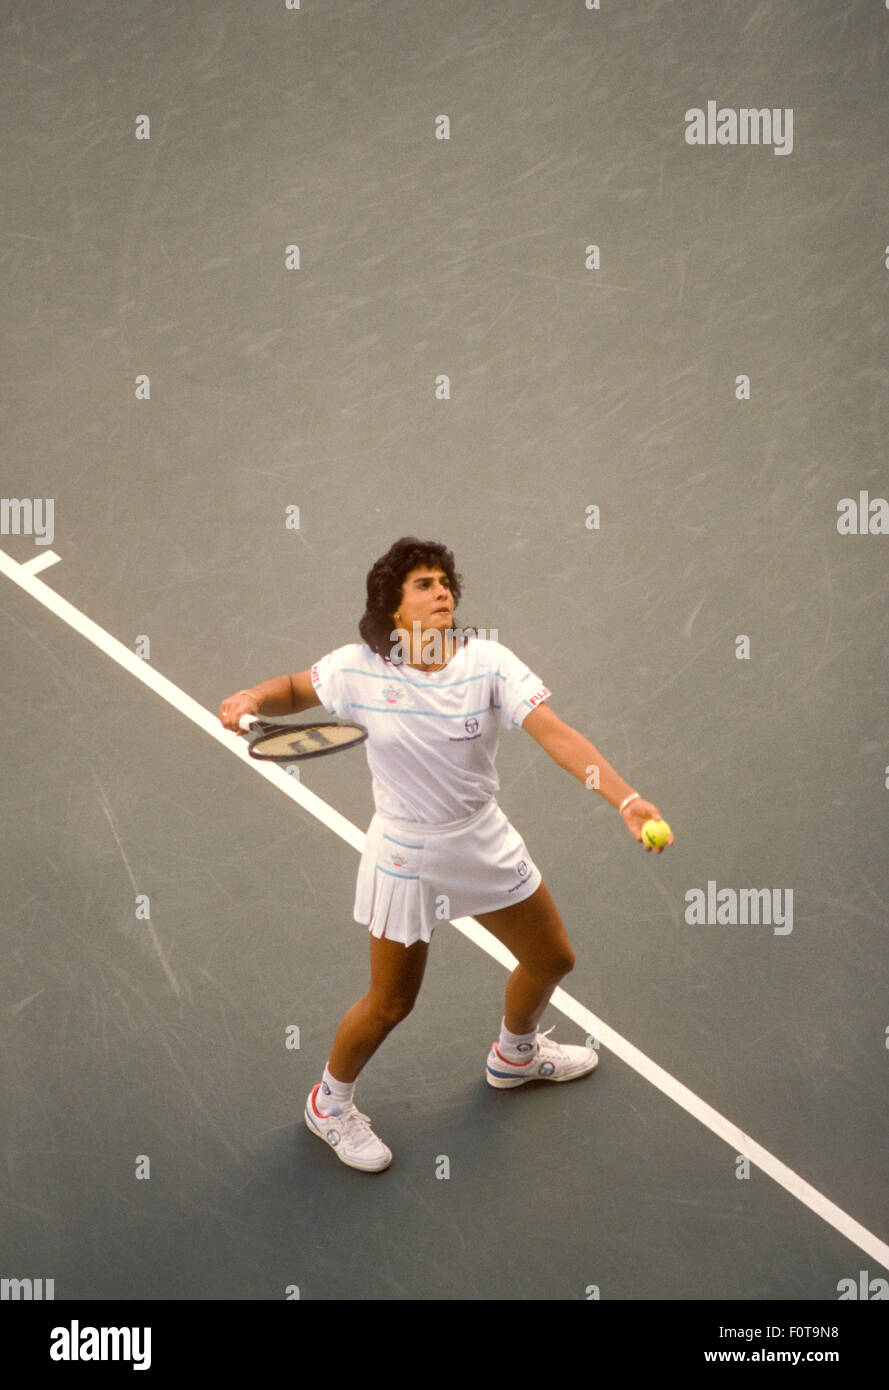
(247, 721)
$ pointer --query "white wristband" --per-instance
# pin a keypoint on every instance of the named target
(627, 799)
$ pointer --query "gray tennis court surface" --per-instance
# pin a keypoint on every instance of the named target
(170, 918)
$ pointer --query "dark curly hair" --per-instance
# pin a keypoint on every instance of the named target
(385, 582)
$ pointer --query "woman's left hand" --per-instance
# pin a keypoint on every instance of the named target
(634, 817)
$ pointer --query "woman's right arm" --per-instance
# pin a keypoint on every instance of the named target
(283, 695)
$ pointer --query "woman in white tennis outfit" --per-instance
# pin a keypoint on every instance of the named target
(434, 700)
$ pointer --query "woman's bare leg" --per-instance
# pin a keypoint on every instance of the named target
(533, 931)
(396, 974)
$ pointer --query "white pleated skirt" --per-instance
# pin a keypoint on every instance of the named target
(414, 876)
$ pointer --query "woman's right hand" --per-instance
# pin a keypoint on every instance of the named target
(231, 709)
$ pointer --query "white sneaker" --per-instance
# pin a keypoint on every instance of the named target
(350, 1136)
(552, 1062)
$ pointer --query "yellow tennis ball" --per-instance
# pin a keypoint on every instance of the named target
(656, 833)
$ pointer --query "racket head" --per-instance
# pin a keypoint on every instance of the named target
(285, 742)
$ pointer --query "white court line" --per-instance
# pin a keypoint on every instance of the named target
(737, 1140)
(41, 562)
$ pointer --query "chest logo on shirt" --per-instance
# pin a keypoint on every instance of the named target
(471, 726)
(393, 695)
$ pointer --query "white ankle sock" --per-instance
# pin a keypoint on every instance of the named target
(333, 1096)
(516, 1047)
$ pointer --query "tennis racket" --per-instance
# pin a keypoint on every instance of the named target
(282, 739)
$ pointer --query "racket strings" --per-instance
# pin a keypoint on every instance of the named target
(301, 742)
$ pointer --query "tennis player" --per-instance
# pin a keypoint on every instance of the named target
(434, 698)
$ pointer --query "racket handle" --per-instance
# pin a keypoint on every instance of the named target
(247, 721)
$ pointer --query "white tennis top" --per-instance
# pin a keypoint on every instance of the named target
(432, 737)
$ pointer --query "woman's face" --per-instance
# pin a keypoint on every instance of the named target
(426, 599)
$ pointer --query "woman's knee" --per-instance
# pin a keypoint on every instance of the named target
(557, 961)
(569, 959)
(392, 1008)
(562, 961)
(396, 978)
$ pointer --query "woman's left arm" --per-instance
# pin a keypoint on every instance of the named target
(573, 752)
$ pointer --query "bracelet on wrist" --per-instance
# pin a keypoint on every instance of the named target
(634, 796)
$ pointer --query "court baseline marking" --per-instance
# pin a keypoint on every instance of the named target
(25, 576)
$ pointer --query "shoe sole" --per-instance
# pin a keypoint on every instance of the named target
(350, 1163)
(508, 1083)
